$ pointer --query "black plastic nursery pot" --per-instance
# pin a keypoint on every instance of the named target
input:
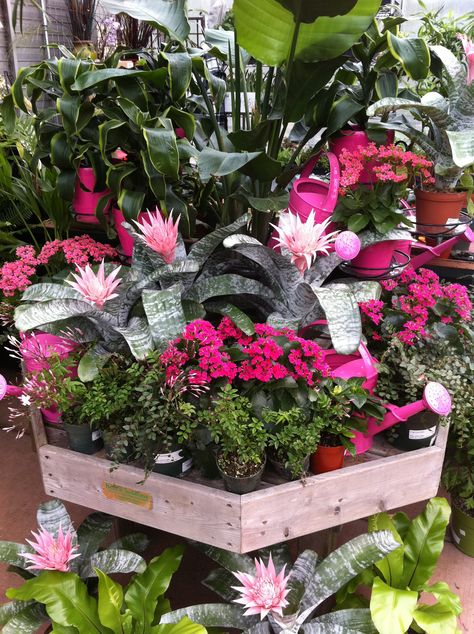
(242, 485)
(56, 435)
(462, 530)
(83, 439)
(282, 471)
(176, 462)
(110, 445)
(417, 432)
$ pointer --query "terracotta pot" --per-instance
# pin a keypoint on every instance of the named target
(327, 459)
(434, 209)
(350, 139)
(85, 199)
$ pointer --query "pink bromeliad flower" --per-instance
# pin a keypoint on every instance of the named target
(159, 234)
(96, 289)
(265, 592)
(468, 46)
(52, 553)
(304, 239)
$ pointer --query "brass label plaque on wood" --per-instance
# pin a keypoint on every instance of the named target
(124, 494)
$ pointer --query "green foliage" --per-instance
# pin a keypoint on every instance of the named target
(310, 583)
(399, 580)
(240, 436)
(121, 611)
(90, 536)
(292, 437)
(458, 474)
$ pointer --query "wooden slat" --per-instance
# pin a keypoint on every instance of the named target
(179, 507)
(37, 428)
(292, 510)
(452, 264)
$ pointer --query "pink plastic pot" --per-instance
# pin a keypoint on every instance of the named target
(85, 199)
(35, 350)
(125, 239)
(378, 259)
(436, 398)
(352, 138)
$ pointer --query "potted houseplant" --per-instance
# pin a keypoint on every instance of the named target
(458, 478)
(240, 437)
(342, 406)
(448, 141)
(375, 207)
(291, 440)
(398, 581)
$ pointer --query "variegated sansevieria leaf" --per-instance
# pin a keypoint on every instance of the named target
(164, 312)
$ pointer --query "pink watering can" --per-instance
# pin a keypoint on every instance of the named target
(8, 390)
(428, 253)
(436, 398)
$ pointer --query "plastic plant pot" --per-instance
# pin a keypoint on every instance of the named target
(326, 459)
(462, 530)
(283, 472)
(350, 139)
(85, 199)
(241, 485)
(419, 431)
(83, 439)
(125, 239)
(175, 463)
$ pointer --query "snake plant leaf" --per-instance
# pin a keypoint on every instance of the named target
(29, 316)
(113, 561)
(110, 601)
(424, 543)
(92, 533)
(202, 250)
(10, 553)
(412, 53)
(44, 292)
(66, 599)
(27, 620)
(145, 588)
(439, 115)
(342, 315)
(164, 313)
(363, 291)
(323, 31)
(228, 284)
(10, 609)
(260, 628)
(216, 163)
(456, 74)
(391, 567)
(168, 17)
(221, 581)
(213, 615)
(323, 628)
(392, 609)
(301, 573)
(138, 335)
(136, 542)
(356, 619)
(193, 310)
(462, 146)
(345, 563)
(240, 319)
(52, 515)
(233, 562)
(185, 626)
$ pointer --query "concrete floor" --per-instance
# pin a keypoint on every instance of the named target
(21, 491)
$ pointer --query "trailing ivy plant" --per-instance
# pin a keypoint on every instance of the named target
(122, 555)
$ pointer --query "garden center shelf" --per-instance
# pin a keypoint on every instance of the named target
(200, 509)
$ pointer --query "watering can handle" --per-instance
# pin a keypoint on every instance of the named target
(335, 176)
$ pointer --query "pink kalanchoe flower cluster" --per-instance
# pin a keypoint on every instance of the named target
(389, 163)
(468, 46)
(159, 234)
(16, 276)
(263, 592)
(52, 553)
(262, 358)
(420, 300)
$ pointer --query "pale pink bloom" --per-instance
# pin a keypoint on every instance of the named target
(96, 289)
(53, 553)
(304, 239)
(119, 155)
(159, 234)
(265, 592)
(468, 46)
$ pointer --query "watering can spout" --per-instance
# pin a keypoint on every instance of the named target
(436, 398)
(8, 390)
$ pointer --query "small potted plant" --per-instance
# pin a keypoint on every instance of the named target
(458, 478)
(375, 207)
(341, 407)
(291, 440)
(240, 437)
(446, 138)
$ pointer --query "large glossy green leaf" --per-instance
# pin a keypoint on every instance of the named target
(163, 151)
(110, 600)
(413, 54)
(345, 563)
(391, 567)
(392, 609)
(424, 543)
(185, 626)
(436, 619)
(215, 163)
(180, 70)
(145, 589)
(358, 619)
(444, 595)
(165, 314)
(213, 615)
(66, 599)
(221, 42)
(92, 533)
(325, 30)
(125, 77)
(168, 17)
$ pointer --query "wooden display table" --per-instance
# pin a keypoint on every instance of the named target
(201, 509)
